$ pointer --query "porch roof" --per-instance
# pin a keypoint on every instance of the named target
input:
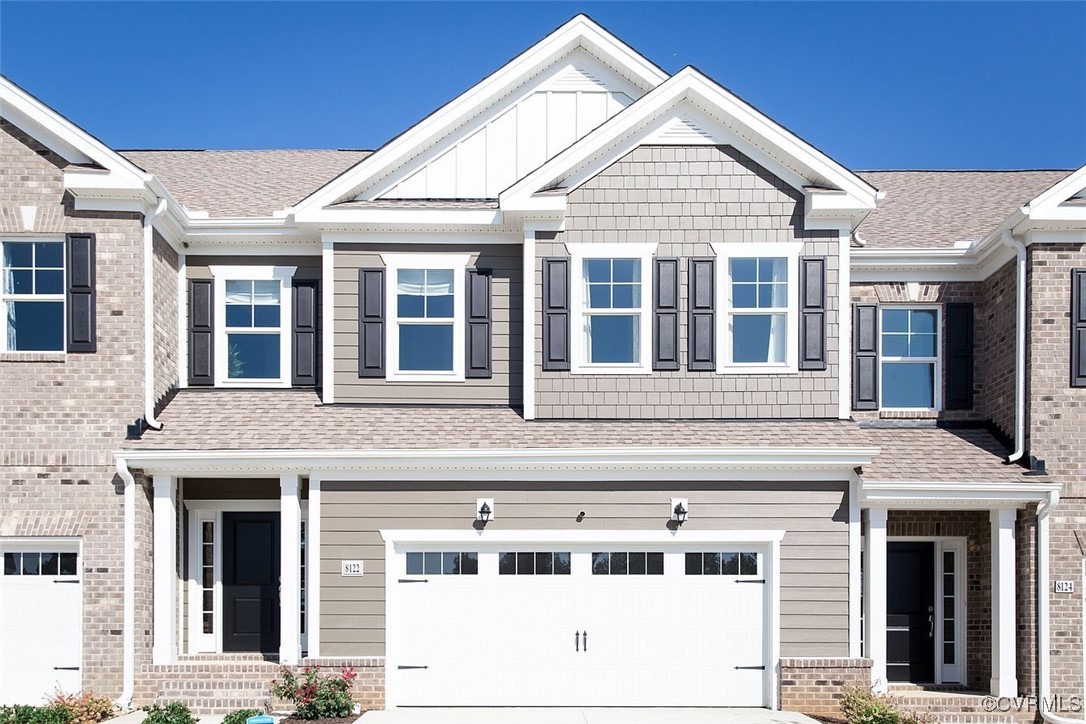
(937, 454)
(296, 420)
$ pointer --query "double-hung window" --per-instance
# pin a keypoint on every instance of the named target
(426, 303)
(909, 354)
(611, 285)
(252, 345)
(760, 291)
(33, 296)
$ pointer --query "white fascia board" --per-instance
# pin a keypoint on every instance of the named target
(1056, 194)
(1053, 236)
(973, 264)
(579, 31)
(470, 238)
(634, 463)
(403, 216)
(263, 249)
(690, 84)
(953, 494)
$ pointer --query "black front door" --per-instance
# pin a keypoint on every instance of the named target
(910, 612)
(250, 582)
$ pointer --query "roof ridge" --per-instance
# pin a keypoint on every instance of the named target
(244, 150)
(963, 170)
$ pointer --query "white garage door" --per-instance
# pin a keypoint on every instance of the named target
(562, 625)
(41, 621)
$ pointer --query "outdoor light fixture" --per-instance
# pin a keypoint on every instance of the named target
(679, 510)
(484, 509)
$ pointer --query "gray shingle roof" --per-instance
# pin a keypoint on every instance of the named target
(243, 183)
(939, 208)
(932, 454)
(295, 419)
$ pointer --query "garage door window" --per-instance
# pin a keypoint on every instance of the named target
(40, 564)
(728, 563)
(546, 563)
(621, 563)
(442, 563)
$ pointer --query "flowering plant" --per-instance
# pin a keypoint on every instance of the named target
(315, 696)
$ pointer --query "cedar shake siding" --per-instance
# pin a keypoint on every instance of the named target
(814, 553)
(62, 414)
(502, 388)
(684, 198)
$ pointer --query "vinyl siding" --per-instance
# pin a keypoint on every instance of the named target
(683, 198)
(814, 553)
(503, 388)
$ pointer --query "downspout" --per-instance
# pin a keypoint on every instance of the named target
(1019, 350)
(1043, 615)
(124, 701)
(148, 316)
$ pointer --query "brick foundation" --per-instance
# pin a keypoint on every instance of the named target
(816, 686)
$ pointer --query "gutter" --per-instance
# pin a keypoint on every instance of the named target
(124, 701)
(1019, 350)
(1044, 624)
(148, 316)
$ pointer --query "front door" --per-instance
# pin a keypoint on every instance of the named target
(910, 612)
(250, 582)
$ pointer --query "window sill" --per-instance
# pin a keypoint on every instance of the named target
(33, 356)
(424, 377)
(254, 384)
(611, 370)
(887, 413)
(757, 370)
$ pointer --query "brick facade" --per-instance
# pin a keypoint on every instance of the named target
(816, 686)
(62, 415)
(683, 198)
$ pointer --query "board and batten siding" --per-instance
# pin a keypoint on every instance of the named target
(503, 388)
(684, 198)
(814, 553)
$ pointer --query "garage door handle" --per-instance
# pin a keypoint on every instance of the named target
(65, 668)
(413, 580)
(750, 580)
(758, 668)
(65, 580)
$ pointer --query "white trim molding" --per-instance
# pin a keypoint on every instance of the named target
(579, 312)
(328, 323)
(875, 596)
(394, 264)
(163, 650)
(1004, 619)
(677, 536)
(953, 495)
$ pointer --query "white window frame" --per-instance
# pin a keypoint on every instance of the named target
(284, 274)
(937, 383)
(579, 252)
(725, 251)
(6, 298)
(458, 263)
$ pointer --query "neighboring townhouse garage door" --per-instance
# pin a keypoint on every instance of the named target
(557, 624)
(41, 620)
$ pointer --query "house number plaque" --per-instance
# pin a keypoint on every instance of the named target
(1065, 586)
(350, 568)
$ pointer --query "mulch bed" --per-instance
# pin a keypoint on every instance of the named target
(326, 720)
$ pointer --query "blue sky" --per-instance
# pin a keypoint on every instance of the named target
(874, 84)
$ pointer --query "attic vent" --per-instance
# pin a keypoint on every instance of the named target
(576, 79)
(683, 129)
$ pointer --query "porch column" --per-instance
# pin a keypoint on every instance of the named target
(290, 580)
(164, 648)
(1004, 673)
(875, 595)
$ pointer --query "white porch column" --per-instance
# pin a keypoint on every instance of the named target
(313, 568)
(875, 595)
(1004, 673)
(164, 648)
(290, 579)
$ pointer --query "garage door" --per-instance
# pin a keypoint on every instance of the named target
(563, 625)
(41, 621)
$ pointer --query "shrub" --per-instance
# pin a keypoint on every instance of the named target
(34, 715)
(315, 696)
(85, 707)
(861, 706)
(240, 716)
(173, 713)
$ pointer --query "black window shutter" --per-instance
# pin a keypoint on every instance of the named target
(371, 322)
(812, 313)
(958, 329)
(865, 356)
(665, 318)
(304, 343)
(701, 319)
(1078, 327)
(82, 335)
(556, 314)
(201, 332)
(477, 344)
